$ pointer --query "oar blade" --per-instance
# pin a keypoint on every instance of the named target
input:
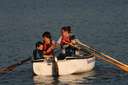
(7, 69)
(13, 66)
(120, 66)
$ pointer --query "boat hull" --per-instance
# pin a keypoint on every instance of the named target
(64, 67)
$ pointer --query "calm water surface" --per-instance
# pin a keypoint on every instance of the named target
(101, 23)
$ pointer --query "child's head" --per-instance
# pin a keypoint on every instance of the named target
(46, 36)
(39, 45)
(65, 31)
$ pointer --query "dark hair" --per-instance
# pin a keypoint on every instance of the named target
(38, 43)
(47, 34)
(66, 28)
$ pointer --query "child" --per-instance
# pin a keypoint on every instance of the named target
(48, 45)
(67, 41)
(37, 53)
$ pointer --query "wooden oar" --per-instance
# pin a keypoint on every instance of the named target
(13, 66)
(121, 66)
(106, 58)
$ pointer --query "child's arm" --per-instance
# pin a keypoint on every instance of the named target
(59, 40)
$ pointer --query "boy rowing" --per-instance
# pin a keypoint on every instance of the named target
(48, 45)
(67, 42)
(45, 48)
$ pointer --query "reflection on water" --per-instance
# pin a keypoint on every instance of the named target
(63, 80)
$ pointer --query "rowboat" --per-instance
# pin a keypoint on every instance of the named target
(69, 65)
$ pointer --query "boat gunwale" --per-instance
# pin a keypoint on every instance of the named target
(67, 58)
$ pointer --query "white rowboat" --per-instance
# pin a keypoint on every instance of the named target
(67, 66)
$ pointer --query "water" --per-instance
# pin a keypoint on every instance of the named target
(101, 23)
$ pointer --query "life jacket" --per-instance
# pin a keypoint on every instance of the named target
(65, 39)
(46, 47)
(67, 49)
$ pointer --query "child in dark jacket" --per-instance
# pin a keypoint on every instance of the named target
(37, 52)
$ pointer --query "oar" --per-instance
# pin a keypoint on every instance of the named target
(122, 67)
(13, 66)
(106, 58)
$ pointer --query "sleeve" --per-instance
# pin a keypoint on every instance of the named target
(53, 44)
(59, 40)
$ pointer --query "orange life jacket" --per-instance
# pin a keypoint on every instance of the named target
(46, 47)
(65, 40)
